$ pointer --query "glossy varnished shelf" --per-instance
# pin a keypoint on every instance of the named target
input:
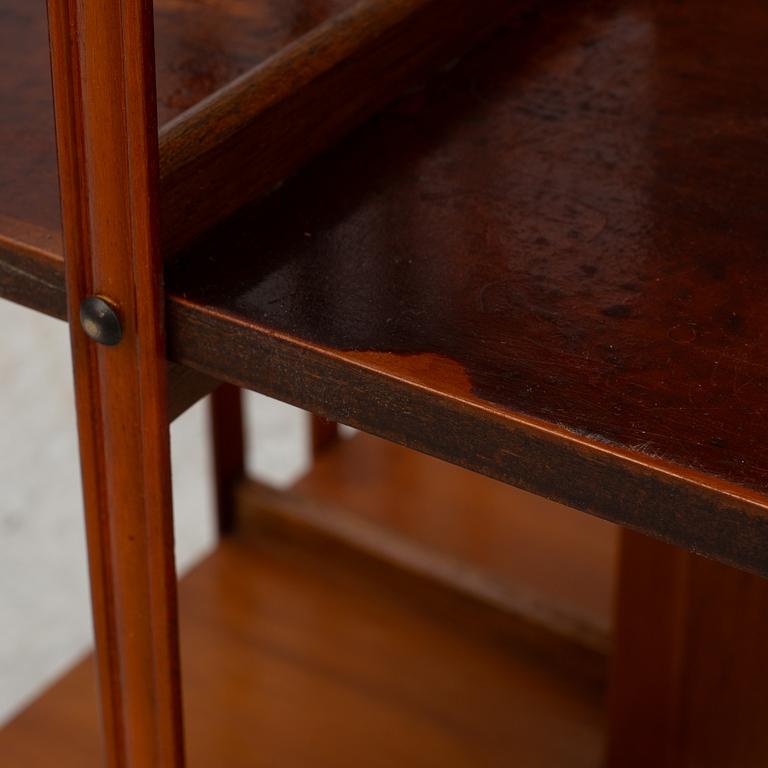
(301, 652)
(532, 557)
(548, 267)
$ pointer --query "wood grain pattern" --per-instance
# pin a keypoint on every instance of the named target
(297, 652)
(689, 675)
(102, 55)
(536, 276)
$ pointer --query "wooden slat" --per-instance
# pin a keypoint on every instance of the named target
(241, 141)
(526, 269)
(104, 89)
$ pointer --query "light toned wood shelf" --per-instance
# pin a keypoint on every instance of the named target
(298, 651)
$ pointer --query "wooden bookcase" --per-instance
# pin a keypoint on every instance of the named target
(523, 238)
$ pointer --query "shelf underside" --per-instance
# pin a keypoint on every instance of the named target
(298, 651)
(547, 267)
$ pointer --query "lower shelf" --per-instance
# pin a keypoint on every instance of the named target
(298, 650)
(533, 557)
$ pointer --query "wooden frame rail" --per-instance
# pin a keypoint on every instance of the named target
(104, 89)
(244, 139)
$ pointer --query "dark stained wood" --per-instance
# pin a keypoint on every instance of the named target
(537, 559)
(228, 447)
(201, 47)
(690, 673)
(240, 88)
(531, 270)
(322, 434)
(265, 125)
(646, 667)
(102, 55)
(298, 652)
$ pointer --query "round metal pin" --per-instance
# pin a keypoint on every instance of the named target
(100, 321)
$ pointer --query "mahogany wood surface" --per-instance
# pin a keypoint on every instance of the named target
(102, 55)
(547, 267)
(247, 92)
(299, 652)
(201, 47)
(538, 559)
(690, 673)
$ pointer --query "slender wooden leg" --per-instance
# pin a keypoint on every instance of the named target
(322, 434)
(104, 88)
(227, 431)
(689, 684)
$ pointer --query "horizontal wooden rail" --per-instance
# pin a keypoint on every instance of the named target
(244, 139)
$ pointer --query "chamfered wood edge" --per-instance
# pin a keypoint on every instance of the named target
(34, 279)
(691, 511)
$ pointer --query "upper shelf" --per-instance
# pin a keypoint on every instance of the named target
(549, 267)
(201, 47)
(247, 93)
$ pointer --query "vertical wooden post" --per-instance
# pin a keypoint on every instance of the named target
(689, 685)
(227, 432)
(322, 434)
(104, 89)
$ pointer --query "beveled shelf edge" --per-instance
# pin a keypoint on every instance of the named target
(715, 519)
(242, 140)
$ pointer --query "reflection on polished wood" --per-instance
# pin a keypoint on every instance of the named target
(532, 557)
(551, 271)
